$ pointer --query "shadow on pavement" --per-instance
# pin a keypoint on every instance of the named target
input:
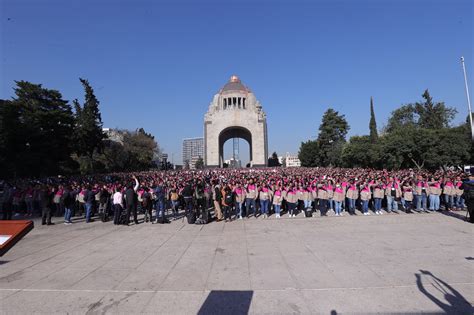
(453, 303)
(226, 302)
(461, 215)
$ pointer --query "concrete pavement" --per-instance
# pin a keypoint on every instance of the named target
(330, 265)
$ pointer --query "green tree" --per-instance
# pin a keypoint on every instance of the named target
(273, 160)
(425, 114)
(12, 142)
(373, 123)
(141, 148)
(40, 142)
(361, 152)
(403, 117)
(433, 115)
(309, 154)
(199, 164)
(88, 130)
(331, 138)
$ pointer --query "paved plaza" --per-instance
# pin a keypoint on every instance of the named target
(394, 263)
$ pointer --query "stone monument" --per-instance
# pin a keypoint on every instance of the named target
(235, 113)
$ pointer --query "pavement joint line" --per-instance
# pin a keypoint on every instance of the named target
(247, 251)
(64, 251)
(181, 256)
(215, 254)
(87, 273)
(145, 305)
(59, 244)
(207, 290)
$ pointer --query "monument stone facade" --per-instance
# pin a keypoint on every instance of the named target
(235, 113)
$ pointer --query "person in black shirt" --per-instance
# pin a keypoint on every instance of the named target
(468, 194)
(131, 201)
(147, 204)
(188, 197)
(89, 200)
(103, 204)
(46, 201)
(67, 202)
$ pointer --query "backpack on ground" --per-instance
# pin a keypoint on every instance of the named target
(191, 217)
(308, 213)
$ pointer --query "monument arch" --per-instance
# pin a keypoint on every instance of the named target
(235, 113)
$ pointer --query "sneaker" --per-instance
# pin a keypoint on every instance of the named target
(368, 213)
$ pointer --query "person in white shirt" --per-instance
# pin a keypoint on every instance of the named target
(117, 204)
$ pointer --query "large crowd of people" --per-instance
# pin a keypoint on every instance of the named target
(228, 194)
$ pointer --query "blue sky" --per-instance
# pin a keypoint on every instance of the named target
(157, 64)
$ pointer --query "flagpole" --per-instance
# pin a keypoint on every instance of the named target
(468, 100)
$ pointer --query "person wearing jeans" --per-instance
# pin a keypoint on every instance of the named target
(435, 191)
(291, 200)
(352, 194)
(227, 202)
(338, 197)
(277, 198)
(378, 196)
(67, 202)
(330, 191)
(458, 199)
(239, 193)
(264, 195)
(393, 193)
(449, 192)
(365, 195)
(250, 197)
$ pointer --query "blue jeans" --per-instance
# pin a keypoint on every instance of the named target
(238, 209)
(307, 204)
(88, 211)
(434, 202)
(421, 202)
(264, 206)
(459, 202)
(392, 204)
(377, 204)
(67, 214)
(449, 200)
(365, 206)
(277, 208)
(351, 203)
(160, 207)
(337, 206)
(250, 202)
(330, 204)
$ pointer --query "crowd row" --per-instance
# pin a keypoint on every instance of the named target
(243, 192)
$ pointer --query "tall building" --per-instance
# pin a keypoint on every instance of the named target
(193, 148)
(290, 160)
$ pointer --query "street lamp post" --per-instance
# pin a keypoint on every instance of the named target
(468, 100)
